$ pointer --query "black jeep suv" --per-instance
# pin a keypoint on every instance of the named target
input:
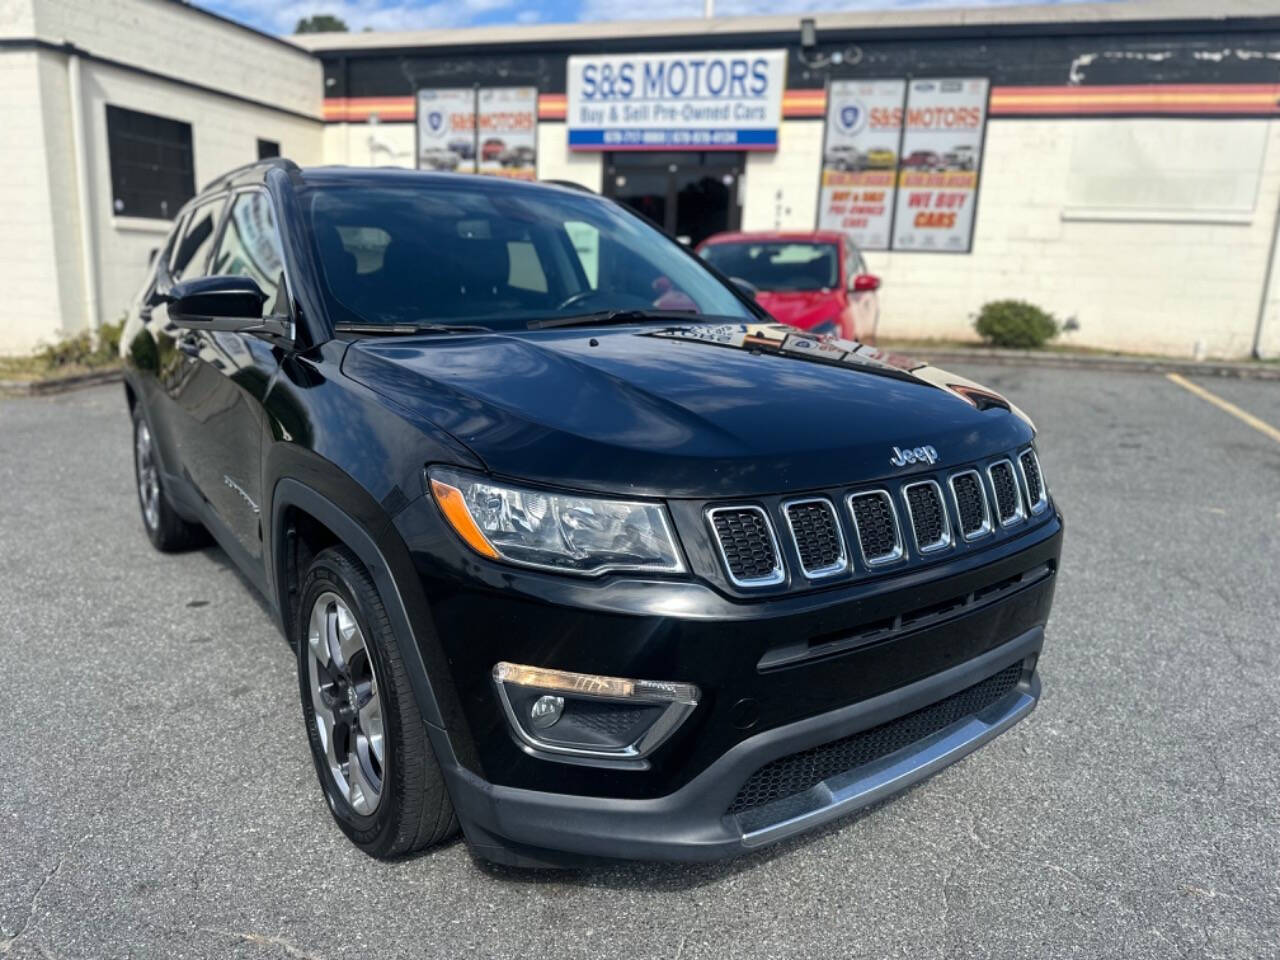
(580, 552)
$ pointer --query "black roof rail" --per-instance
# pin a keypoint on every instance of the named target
(223, 179)
(572, 185)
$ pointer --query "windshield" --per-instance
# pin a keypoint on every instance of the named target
(496, 254)
(778, 266)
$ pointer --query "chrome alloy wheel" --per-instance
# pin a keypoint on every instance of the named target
(148, 475)
(348, 709)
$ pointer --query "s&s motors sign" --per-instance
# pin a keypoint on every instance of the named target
(673, 101)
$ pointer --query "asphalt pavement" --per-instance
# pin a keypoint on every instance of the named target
(157, 798)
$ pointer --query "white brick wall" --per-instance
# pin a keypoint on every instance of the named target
(40, 207)
(32, 311)
(171, 39)
(556, 162)
(781, 189)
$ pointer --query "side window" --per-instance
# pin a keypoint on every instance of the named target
(250, 246)
(192, 251)
(526, 269)
(586, 243)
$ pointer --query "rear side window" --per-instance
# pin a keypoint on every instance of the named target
(250, 246)
(192, 251)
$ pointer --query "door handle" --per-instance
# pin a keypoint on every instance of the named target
(189, 345)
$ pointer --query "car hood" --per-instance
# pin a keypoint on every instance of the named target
(695, 411)
(801, 308)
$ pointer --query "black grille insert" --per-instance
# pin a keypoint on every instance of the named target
(877, 526)
(1031, 472)
(747, 544)
(971, 504)
(1006, 490)
(796, 773)
(928, 515)
(817, 536)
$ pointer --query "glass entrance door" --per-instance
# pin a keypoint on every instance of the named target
(690, 195)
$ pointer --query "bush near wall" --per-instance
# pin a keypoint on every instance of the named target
(1015, 323)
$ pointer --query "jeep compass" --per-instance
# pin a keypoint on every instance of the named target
(581, 552)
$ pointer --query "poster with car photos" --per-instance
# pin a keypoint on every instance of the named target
(860, 159)
(938, 170)
(446, 130)
(508, 120)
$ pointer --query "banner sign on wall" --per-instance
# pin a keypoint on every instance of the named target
(446, 130)
(674, 101)
(938, 170)
(508, 119)
(860, 159)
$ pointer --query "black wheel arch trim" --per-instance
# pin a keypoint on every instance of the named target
(389, 565)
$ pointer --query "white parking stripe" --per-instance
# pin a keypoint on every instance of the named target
(1260, 425)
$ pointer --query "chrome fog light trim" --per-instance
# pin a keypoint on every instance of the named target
(676, 700)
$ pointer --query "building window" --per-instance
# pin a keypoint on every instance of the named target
(152, 173)
(268, 148)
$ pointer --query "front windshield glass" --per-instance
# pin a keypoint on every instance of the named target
(778, 266)
(471, 251)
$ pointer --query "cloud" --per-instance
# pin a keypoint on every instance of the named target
(283, 17)
(674, 9)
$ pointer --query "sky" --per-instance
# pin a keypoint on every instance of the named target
(281, 16)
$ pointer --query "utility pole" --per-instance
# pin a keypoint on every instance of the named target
(708, 9)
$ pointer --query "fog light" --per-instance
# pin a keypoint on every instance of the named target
(568, 715)
(546, 711)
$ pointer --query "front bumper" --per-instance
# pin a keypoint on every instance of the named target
(529, 827)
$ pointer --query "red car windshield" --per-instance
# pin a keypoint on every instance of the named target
(778, 267)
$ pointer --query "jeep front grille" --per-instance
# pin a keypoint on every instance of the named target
(816, 532)
(928, 515)
(876, 524)
(747, 545)
(971, 504)
(1005, 486)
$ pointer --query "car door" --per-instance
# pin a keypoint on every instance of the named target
(230, 375)
(176, 348)
(864, 303)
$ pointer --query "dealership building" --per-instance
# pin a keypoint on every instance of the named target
(1117, 164)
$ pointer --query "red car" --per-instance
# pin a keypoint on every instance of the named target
(813, 279)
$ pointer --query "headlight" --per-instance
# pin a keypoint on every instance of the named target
(555, 531)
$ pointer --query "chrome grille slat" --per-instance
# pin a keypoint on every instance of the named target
(747, 545)
(815, 531)
(1033, 481)
(1004, 484)
(875, 522)
(927, 512)
(970, 498)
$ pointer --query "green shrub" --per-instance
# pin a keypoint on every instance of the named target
(79, 351)
(1015, 323)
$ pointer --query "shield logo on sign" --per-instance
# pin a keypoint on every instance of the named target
(435, 120)
(849, 116)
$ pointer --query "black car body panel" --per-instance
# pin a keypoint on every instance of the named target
(266, 442)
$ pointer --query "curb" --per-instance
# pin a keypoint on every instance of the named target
(52, 385)
(1068, 361)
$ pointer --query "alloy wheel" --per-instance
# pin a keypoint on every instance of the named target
(148, 475)
(348, 708)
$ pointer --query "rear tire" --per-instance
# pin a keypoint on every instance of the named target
(167, 531)
(368, 741)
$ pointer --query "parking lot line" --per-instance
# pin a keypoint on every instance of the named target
(1258, 424)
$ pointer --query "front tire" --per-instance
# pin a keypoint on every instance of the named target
(368, 741)
(167, 531)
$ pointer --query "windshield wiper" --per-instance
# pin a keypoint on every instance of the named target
(407, 329)
(616, 316)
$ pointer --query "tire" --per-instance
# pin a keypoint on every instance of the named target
(167, 531)
(356, 697)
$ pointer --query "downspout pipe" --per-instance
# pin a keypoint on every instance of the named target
(84, 194)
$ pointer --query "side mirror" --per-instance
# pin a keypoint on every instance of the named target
(866, 283)
(229, 304)
(745, 287)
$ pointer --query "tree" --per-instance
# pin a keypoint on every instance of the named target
(321, 23)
